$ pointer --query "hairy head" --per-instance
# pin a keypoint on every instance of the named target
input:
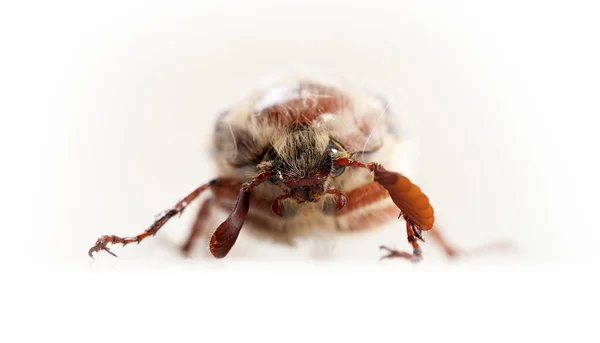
(302, 162)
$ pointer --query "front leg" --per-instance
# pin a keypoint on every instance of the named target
(103, 241)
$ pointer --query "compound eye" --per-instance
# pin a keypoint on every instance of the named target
(338, 170)
(334, 148)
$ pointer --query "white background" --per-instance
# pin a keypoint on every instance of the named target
(107, 108)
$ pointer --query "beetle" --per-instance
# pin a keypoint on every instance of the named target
(303, 153)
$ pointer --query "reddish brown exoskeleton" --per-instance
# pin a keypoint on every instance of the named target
(301, 154)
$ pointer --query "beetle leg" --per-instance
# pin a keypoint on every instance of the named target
(342, 199)
(452, 251)
(441, 241)
(275, 207)
(394, 253)
(162, 219)
(199, 225)
(416, 256)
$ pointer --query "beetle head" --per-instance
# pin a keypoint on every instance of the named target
(302, 163)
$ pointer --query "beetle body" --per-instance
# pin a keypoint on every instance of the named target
(298, 119)
(299, 156)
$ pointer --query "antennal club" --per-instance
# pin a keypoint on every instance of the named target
(227, 233)
(408, 197)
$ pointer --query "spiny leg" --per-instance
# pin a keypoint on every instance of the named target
(199, 225)
(449, 249)
(163, 218)
(452, 251)
(413, 234)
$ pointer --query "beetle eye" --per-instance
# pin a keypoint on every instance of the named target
(334, 148)
(338, 170)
